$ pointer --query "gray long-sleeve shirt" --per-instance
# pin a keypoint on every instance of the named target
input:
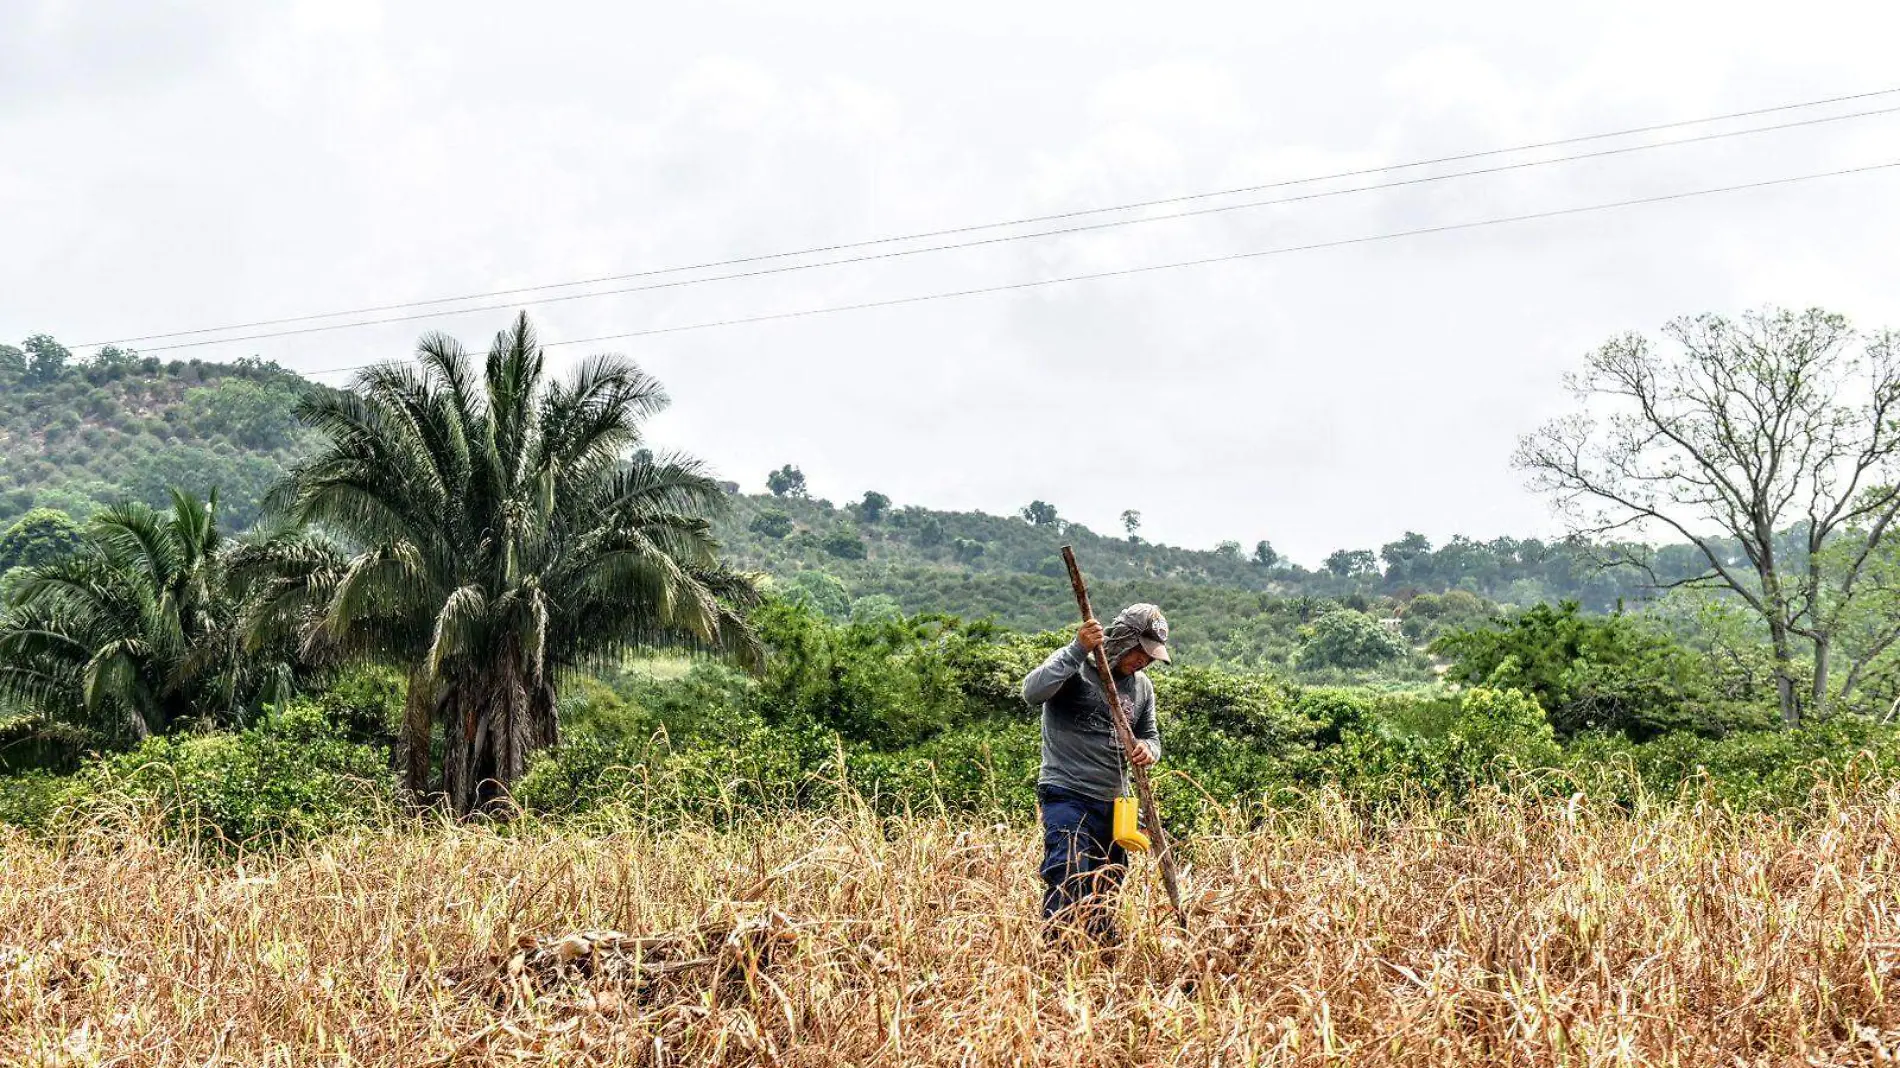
(1080, 752)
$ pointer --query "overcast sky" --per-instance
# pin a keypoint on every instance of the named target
(171, 166)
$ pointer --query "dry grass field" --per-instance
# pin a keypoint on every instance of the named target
(1532, 933)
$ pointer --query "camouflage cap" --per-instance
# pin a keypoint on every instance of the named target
(1138, 624)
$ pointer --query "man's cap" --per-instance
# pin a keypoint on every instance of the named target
(1140, 624)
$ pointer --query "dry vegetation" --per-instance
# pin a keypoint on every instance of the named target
(1516, 933)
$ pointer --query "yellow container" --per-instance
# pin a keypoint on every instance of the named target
(1128, 833)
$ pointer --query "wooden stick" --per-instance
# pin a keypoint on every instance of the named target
(1164, 851)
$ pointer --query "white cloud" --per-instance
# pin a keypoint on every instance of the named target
(172, 168)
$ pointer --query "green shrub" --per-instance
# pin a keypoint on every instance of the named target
(30, 799)
(818, 591)
(1495, 733)
(365, 703)
(291, 777)
(988, 768)
(771, 523)
(1606, 673)
(748, 766)
(844, 543)
(1766, 770)
(1348, 639)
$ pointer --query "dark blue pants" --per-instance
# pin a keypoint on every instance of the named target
(1081, 864)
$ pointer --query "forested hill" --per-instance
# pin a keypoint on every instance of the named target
(77, 435)
(955, 561)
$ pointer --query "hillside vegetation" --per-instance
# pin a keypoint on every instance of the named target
(882, 548)
(79, 435)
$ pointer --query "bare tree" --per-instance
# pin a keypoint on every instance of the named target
(1780, 424)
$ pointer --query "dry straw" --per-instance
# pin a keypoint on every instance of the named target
(1502, 931)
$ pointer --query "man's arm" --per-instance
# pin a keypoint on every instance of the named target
(1042, 683)
(1146, 729)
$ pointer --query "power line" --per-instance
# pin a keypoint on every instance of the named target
(1056, 217)
(1007, 238)
(1256, 254)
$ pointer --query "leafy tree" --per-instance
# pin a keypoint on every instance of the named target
(1606, 673)
(138, 630)
(12, 362)
(1347, 639)
(1431, 614)
(1401, 555)
(1131, 522)
(1039, 514)
(46, 358)
(1754, 428)
(771, 523)
(38, 537)
(1229, 549)
(114, 358)
(253, 415)
(930, 532)
(968, 549)
(787, 481)
(876, 608)
(1264, 554)
(504, 543)
(821, 592)
(1352, 563)
(873, 507)
(844, 543)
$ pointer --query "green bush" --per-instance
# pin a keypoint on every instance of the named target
(31, 799)
(365, 704)
(844, 543)
(1494, 734)
(771, 523)
(1348, 639)
(1603, 673)
(988, 768)
(291, 777)
(1765, 770)
(747, 766)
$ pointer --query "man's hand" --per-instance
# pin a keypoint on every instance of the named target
(1090, 635)
(1141, 756)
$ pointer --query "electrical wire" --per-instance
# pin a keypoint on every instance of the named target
(1008, 238)
(1204, 261)
(951, 231)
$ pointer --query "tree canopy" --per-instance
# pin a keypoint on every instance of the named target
(1776, 423)
(506, 538)
(138, 628)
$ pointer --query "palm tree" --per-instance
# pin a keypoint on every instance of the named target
(506, 533)
(136, 630)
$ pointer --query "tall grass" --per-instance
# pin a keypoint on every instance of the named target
(1504, 930)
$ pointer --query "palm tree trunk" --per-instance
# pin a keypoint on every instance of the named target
(513, 727)
(497, 722)
(469, 758)
(418, 718)
(547, 720)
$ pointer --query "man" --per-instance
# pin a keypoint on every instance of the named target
(1082, 770)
